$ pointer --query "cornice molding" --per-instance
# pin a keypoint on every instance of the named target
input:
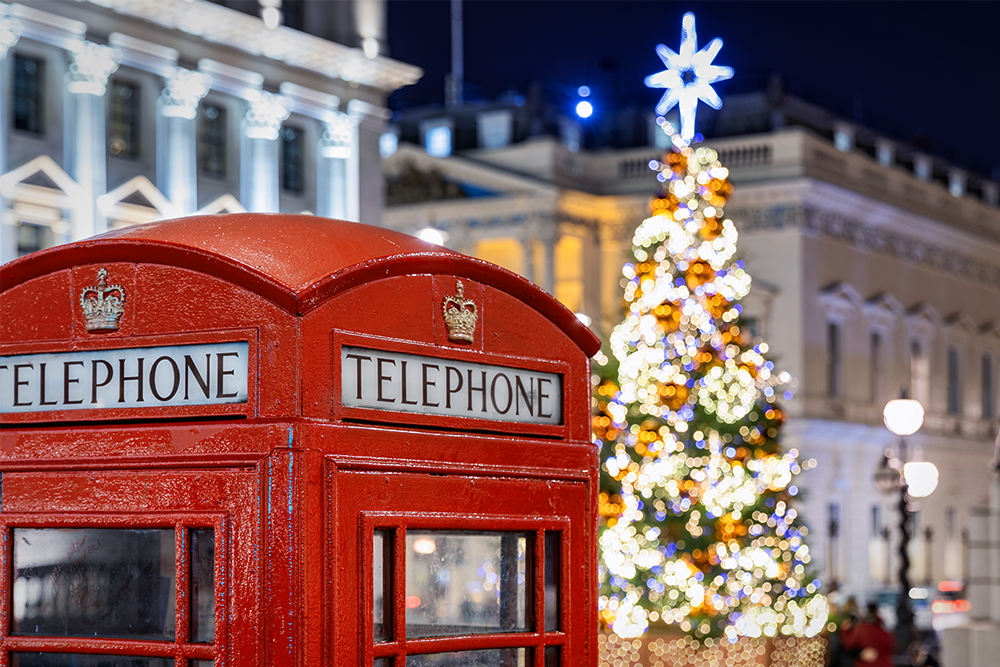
(879, 240)
(10, 32)
(248, 34)
(47, 28)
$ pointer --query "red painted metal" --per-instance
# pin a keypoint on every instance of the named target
(292, 481)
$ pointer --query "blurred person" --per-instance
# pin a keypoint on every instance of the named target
(844, 618)
(921, 656)
(869, 638)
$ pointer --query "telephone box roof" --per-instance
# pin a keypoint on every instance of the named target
(296, 261)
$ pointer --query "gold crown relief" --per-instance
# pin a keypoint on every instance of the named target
(103, 305)
(460, 316)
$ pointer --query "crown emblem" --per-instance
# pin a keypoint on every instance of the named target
(104, 305)
(460, 316)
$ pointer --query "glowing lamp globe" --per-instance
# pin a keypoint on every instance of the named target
(921, 478)
(584, 109)
(903, 416)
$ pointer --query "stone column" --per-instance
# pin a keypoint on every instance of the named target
(364, 173)
(177, 156)
(527, 240)
(10, 32)
(86, 81)
(592, 275)
(549, 238)
(977, 644)
(265, 112)
(335, 198)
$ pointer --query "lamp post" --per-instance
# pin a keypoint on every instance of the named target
(916, 479)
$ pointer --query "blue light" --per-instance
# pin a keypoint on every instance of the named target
(689, 77)
(583, 91)
(584, 109)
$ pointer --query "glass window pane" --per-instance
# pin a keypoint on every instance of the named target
(203, 585)
(202, 663)
(552, 596)
(460, 583)
(85, 660)
(496, 657)
(382, 586)
(552, 656)
(383, 662)
(94, 582)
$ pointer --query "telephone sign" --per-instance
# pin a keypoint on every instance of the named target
(125, 378)
(386, 380)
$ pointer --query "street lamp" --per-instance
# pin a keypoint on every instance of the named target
(914, 479)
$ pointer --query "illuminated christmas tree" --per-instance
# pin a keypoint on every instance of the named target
(698, 528)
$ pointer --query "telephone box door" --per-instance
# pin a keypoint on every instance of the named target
(129, 568)
(489, 585)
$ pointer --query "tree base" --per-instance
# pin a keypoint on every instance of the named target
(665, 647)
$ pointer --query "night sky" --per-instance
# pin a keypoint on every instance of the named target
(928, 71)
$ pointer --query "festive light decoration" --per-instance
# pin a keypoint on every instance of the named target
(698, 525)
(689, 77)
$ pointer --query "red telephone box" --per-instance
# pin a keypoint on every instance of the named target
(259, 439)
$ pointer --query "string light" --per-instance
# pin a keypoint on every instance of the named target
(701, 534)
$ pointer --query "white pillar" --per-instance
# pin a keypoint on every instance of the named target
(177, 154)
(550, 237)
(528, 250)
(338, 147)
(365, 183)
(10, 32)
(86, 81)
(265, 112)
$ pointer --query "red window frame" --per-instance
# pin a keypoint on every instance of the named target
(398, 647)
(181, 648)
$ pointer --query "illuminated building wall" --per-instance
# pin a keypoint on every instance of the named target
(117, 113)
(875, 267)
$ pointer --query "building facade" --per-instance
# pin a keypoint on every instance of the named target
(116, 112)
(876, 270)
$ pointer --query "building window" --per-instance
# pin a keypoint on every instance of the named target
(438, 141)
(954, 388)
(989, 401)
(124, 108)
(919, 372)
(31, 238)
(842, 141)
(212, 140)
(293, 14)
(388, 144)
(875, 365)
(833, 360)
(291, 159)
(28, 94)
(494, 129)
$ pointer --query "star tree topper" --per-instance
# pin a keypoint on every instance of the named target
(689, 77)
